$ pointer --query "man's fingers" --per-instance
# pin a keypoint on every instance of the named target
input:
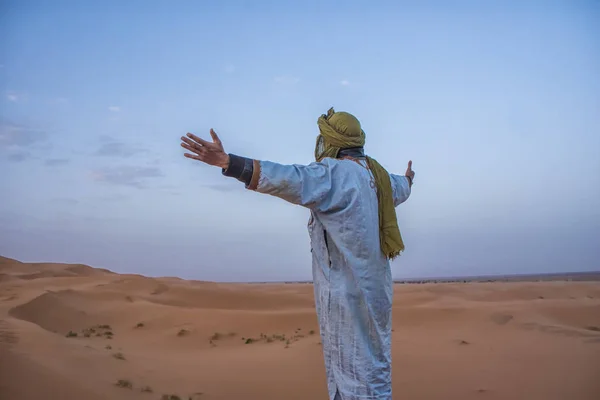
(194, 148)
(192, 156)
(194, 145)
(190, 142)
(410, 164)
(198, 140)
(215, 138)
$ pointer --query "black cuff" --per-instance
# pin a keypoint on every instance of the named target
(240, 168)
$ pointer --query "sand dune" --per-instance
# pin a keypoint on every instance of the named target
(74, 332)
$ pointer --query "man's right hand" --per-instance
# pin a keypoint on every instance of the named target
(410, 173)
(205, 151)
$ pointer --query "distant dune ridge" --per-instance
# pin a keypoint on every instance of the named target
(77, 332)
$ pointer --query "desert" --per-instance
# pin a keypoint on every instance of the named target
(76, 332)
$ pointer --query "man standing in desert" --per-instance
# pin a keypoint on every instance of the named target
(354, 234)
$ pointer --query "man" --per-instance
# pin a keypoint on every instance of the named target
(353, 233)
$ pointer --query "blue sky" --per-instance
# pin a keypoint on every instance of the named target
(496, 103)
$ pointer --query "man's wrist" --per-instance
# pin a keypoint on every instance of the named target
(225, 164)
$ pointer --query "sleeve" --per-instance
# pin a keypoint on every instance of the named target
(400, 188)
(240, 168)
(304, 185)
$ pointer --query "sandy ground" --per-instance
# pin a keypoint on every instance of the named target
(190, 339)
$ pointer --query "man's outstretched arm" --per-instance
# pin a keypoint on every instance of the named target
(402, 184)
(298, 184)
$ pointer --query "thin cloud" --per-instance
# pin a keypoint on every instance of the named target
(15, 97)
(345, 83)
(15, 136)
(18, 157)
(126, 175)
(114, 109)
(112, 198)
(54, 162)
(230, 69)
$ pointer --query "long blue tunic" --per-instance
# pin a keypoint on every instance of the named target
(352, 279)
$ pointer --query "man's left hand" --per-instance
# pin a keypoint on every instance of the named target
(410, 173)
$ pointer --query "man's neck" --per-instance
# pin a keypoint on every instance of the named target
(354, 152)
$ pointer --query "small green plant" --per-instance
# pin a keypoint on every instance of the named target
(108, 347)
(140, 325)
(170, 397)
(183, 332)
(146, 389)
(311, 332)
(71, 334)
(119, 356)
(124, 383)
(249, 341)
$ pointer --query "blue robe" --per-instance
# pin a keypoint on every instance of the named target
(353, 284)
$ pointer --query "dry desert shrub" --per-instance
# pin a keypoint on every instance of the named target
(593, 328)
(170, 397)
(124, 383)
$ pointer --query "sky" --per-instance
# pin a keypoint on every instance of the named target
(497, 103)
